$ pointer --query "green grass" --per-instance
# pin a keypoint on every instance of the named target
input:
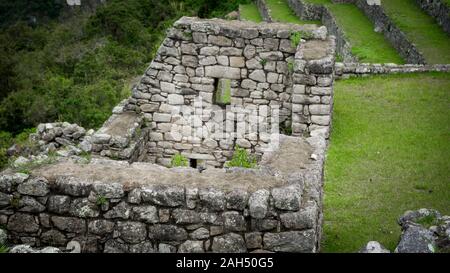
(421, 29)
(390, 134)
(281, 12)
(367, 45)
(250, 12)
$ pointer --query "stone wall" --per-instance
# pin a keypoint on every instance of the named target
(346, 70)
(439, 10)
(57, 205)
(176, 96)
(264, 10)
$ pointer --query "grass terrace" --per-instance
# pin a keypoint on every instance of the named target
(281, 12)
(367, 45)
(389, 152)
(421, 29)
(250, 12)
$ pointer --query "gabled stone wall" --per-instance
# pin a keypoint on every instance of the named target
(177, 93)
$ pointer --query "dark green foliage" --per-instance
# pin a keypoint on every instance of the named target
(242, 159)
(77, 68)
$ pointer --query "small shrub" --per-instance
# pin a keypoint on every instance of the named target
(178, 160)
(263, 62)
(101, 200)
(290, 65)
(242, 159)
(295, 39)
(4, 249)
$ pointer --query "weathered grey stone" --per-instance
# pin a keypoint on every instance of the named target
(167, 233)
(410, 217)
(21, 222)
(166, 248)
(29, 204)
(189, 61)
(109, 191)
(37, 186)
(290, 241)
(233, 221)
(416, 239)
(183, 216)
(229, 243)
(259, 203)
(148, 214)
(209, 50)
(286, 46)
(72, 186)
(134, 197)
(254, 64)
(218, 71)
(219, 40)
(271, 56)
(170, 196)
(22, 249)
(5, 199)
(121, 211)
(81, 207)
(212, 199)
(50, 250)
(69, 224)
(3, 237)
(230, 51)
(287, 197)
(374, 247)
(59, 204)
(53, 237)
(132, 232)
(237, 61)
(304, 219)
(189, 48)
(199, 234)
(237, 199)
(100, 227)
(248, 84)
(8, 180)
(191, 247)
(114, 246)
(175, 99)
(208, 60)
(253, 240)
(258, 75)
(264, 224)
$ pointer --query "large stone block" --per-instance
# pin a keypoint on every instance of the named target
(218, 71)
(229, 243)
(290, 241)
(170, 196)
(259, 203)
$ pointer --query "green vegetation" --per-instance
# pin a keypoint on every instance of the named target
(290, 65)
(281, 12)
(242, 159)
(263, 62)
(250, 12)
(429, 221)
(421, 29)
(390, 133)
(179, 160)
(4, 249)
(101, 200)
(367, 45)
(77, 68)
(31, 165)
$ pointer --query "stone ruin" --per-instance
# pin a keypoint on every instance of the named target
(212, 86)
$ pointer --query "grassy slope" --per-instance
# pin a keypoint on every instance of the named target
(367, 45)
(421, 29)
(392, 158)
(281, 12)
(250, 12)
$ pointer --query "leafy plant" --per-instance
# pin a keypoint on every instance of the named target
(290, 65)
(242, 159)
(296, 38)
(101, 200)
(263, 62)
(179, 160)
(4, 249)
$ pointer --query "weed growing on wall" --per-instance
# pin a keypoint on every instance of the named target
(178, 160)
(242, 159)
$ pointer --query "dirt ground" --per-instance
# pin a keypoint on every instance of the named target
(293, 154)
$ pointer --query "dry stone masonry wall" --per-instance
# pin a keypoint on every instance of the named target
(439, 10)
(178, 93)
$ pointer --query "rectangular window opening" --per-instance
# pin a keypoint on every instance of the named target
(193, 163)
(222, 92)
